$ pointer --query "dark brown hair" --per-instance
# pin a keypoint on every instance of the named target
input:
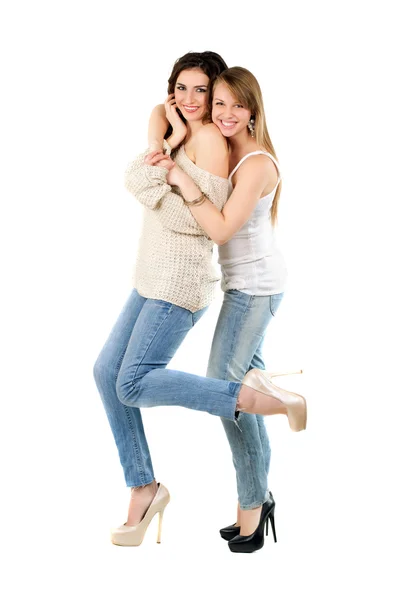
(212, 65)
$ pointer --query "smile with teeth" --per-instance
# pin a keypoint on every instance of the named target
(190, 108)
(229, 124)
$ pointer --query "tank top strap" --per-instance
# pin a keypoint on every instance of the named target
(254, 154)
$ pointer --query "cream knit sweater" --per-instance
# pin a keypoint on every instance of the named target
(174, 261)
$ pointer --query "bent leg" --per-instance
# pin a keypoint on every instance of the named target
(125, 422)
(143, 379)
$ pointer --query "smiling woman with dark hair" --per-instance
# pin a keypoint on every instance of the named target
(253, 279)
(174, 284)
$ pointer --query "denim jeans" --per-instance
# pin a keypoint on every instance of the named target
(237, 348)
(130, 374)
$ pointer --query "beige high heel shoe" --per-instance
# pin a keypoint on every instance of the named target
(133, 536)
(295, 404)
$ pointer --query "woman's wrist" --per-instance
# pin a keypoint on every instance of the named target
(155, 145)
(191, 193)
(197, 201)
(175, 140)
(182, 179)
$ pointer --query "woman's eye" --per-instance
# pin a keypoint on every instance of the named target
(180, 88)
(201, 90)
(218, 104)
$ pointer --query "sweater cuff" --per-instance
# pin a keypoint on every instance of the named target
(155, 174)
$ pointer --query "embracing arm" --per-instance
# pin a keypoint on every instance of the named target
(212, 158)
(252, 178)
(148, 184)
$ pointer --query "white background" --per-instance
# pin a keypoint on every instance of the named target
(79, 80)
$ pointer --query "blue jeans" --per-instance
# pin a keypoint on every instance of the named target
(130, 373)
(237, 348)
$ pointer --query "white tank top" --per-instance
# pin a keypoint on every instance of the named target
(251, 261)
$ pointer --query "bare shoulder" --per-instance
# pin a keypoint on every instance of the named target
(258, 167)
(210, 130)
(211, 150)
(211, 133)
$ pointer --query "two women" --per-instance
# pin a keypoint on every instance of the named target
(173, 286)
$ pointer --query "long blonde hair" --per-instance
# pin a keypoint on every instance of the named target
(244, 86)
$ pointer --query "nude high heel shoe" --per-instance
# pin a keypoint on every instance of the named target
(295, 404)
(133, 536)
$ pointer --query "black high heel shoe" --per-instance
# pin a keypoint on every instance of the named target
(228, 533)
(255, 541)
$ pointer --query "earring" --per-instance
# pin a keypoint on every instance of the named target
(250, 125)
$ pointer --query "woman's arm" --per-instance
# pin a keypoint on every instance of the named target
(149, 185)
(158, 125)
(252, 178)
(162, 116)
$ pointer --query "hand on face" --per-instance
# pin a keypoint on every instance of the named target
(173, 116)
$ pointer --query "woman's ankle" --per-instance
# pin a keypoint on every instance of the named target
(144, 489)
(141, 498)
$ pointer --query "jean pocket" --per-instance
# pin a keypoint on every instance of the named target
(274, 302)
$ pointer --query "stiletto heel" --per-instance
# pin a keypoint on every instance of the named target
(160, 518)
(283, 373)
(133, 536)
(296, 407)
(255, 541)
(271, 518)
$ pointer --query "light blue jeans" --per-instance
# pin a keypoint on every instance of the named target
(237, 348)
(130, 374)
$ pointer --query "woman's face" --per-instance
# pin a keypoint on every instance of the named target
(192, 93)
(227, 113)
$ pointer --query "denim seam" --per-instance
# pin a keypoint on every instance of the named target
(231, 352)
(135, 446)
(131, 428)
(250, 303)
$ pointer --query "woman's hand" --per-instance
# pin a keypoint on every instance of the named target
(158, 159)
(179, 129)
(174, 175)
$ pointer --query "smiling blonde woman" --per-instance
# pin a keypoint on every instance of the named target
(253, 279)
(174, 284)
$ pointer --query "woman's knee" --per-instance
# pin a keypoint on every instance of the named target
(101, 371)
(126, 388)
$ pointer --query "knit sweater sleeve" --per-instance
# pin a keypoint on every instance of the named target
(149, 185)
(214, 187)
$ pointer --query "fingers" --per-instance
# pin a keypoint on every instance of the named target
(170, 102)
(166, 163)
(160, 159)
(153, 153)
(153, 157)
